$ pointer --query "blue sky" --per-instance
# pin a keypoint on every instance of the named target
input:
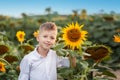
(16, 7)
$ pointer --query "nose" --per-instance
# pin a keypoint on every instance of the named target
(48, 40)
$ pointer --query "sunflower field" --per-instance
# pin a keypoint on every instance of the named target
(93, 39)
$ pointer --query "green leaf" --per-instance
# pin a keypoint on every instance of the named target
(59, 46)
(87, 43)
(84, 64)
(60, 53)
(2, 73)
(110, 74)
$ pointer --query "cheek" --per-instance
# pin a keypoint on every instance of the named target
(54, 41)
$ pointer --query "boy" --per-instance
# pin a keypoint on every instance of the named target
(42, 63)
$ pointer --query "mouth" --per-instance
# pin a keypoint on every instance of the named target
(47, 44)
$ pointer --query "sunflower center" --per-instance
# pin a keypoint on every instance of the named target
(74, 35)
(0, 66)
(21, 36)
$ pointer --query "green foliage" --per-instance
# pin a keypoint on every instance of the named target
(101, 29)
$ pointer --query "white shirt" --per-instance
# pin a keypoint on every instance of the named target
(35, 67)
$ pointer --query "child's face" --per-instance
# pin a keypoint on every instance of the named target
(47, 38)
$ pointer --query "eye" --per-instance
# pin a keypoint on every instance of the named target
(45, 36)
(52, 38)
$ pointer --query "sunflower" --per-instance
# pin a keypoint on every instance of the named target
(20, 36)
(117, 38)
(36, 33)
(10, 58)
(2, 67)
(73, 35)
(26, 48)
(98, 52)
(3, 49)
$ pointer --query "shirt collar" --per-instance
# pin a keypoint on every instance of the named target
(38, 55)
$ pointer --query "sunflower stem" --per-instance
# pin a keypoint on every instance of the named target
(80, 50)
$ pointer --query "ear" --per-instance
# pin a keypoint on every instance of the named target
(37, 38)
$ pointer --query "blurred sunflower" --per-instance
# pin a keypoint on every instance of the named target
(73, 35)
(117, 38)
(98, 52)
(3, 49)
(20, 36)
(2, 67)
(36, 33)
(18, 68)
(10, 58)
(26, 48)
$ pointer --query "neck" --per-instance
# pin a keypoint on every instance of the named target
(42, 52)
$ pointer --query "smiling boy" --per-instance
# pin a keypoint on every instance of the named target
(42, 63)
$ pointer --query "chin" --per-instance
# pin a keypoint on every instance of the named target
(46, 48)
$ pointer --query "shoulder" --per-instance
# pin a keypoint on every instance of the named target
(52, 52)
(29, 56)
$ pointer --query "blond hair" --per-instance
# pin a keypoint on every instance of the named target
(48, 26)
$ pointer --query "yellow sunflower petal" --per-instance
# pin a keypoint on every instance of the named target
(36, 33)
(116, 38)
(2, 67)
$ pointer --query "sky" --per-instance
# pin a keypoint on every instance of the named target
(35, 7)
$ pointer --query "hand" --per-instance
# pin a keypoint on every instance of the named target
(72, 61)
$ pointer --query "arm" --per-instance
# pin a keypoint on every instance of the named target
(24, 69)
(69, 61)
(63, 61)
